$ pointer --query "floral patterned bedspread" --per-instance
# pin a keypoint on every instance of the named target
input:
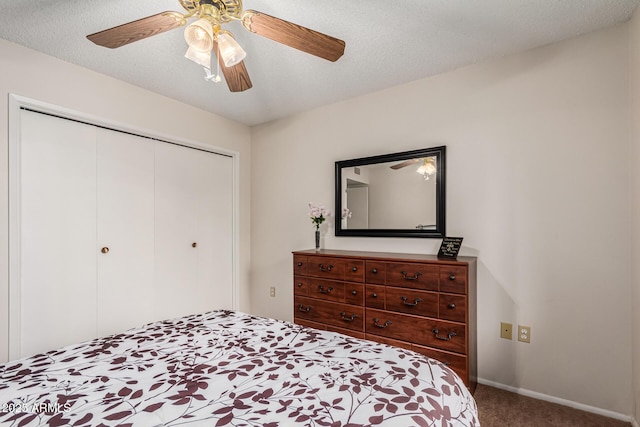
(226, 368)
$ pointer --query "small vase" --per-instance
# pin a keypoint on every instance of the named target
(317, 240)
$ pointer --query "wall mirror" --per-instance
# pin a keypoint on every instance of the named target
(392, 195)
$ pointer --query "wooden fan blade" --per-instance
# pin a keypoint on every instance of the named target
(293, 35)
(136, 30)
(404, 164)
(237, 76)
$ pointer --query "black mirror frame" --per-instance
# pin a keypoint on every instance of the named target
(438, 152)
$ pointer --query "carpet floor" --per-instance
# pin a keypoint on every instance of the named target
(500, 408)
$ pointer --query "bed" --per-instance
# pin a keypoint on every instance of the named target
(229, 368)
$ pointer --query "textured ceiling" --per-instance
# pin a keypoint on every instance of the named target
(388, 43)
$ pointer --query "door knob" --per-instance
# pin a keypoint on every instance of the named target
(194, 245)
(105, 250)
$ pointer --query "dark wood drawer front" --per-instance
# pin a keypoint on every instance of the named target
(325, 267)
(453, 279)
(300, 286)
(404, 300)
(330, 313)
(457, 362)
(326, 289)
(375, 296)
(354, 270)
(453, 307)
(354, 293)
(299, 264)
(376, 272)
(424, 331)
(419, 276)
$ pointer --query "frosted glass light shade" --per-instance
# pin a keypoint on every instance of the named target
(201, 58)
(427, 168)
(230, 50)
(199, 35)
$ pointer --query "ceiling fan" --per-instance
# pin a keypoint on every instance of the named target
(426, 169)
(205, 35)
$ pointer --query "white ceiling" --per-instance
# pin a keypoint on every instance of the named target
(388, 43)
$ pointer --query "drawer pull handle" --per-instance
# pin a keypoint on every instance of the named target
(414, 277)
(452, 277)
(299, 264)
(410, 304)
(322, 290)
(451, 335)
(374, 271)
(351, 318)
(327, 268)
(304, 309)
(386, 324)
(354, 269)
(374, 295)
(299, 285)
(354, 292)
(452, 306)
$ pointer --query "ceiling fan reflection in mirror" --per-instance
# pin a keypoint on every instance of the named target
(426, 169)
(205, 35)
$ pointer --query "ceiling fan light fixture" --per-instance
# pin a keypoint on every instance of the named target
(427, 168)
(200, 58)
(230, 51)
(199, 35)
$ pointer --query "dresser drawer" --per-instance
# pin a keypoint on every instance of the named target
(300, 286)
(413, 275)
(330, 313)
(405, 300)
(326, 267)
(354, 293)
(453, 279)
(376, 272)
(330, 290)
(299, 264)
(354, 270)
(375, 296)
(453, 307)
(457, 362)
(423, 331)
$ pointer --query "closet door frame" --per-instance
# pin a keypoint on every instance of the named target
(17, 103)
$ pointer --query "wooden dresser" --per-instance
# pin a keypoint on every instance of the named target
(417, 302)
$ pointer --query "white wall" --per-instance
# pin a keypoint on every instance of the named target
(634, 158)
(538, 186)
(31, 74)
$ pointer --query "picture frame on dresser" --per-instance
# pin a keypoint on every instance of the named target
(413, 301)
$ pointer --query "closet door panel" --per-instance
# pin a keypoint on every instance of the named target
(58, 233)
(215, 226)
(125, 201)
(175, 231)
(193, 231)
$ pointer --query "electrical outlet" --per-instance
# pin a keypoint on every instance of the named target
(524, 333)
(506, 330)
(272, 292)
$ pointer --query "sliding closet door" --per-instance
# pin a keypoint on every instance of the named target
(58, 233)
(125, 240)
(193, 229)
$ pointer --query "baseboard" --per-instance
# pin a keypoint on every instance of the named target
(559, 401)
